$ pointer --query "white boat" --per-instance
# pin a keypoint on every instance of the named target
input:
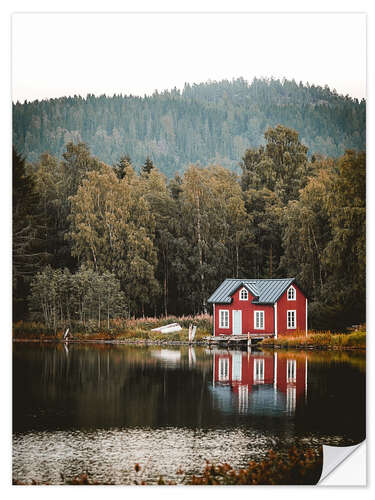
(172, 327)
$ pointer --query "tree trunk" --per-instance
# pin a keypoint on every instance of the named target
(319, 259)
(271, 261)
(200, 254)
(165, 284)
(99, 306)
(108, 312)
(237, 256)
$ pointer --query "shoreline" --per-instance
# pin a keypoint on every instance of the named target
(142, 342)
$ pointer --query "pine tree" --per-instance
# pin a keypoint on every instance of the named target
(122, 166)
(28, 250)
(147, 166)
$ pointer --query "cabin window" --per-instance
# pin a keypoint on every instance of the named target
(223, 318)
(291, 371)
(223, 369)
(259, 320)
(244, 295)
(291, 293)
(291, 319)
(258, 370)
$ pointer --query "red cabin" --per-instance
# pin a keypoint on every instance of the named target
(259, 307)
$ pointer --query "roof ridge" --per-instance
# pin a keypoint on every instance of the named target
(258, 279)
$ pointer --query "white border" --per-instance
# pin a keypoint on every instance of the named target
(7, 8)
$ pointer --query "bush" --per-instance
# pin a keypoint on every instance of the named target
(298, 467)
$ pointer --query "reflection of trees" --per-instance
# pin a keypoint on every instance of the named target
(108, 385)
(355, 359)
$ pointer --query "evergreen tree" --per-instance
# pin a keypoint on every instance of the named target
(208, 123)
(28, 250)
(122, 166)
(147, 166)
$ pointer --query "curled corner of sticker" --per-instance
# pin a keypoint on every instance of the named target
(355, 466)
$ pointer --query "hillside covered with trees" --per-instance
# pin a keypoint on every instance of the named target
(208, 123)
(93, 241)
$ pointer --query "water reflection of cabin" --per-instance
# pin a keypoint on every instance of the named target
(261, 378)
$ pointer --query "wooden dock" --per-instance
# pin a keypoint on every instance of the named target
(237, 339)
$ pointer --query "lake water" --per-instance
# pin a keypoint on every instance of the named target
(102, 408)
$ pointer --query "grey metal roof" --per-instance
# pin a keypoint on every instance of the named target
(265, 291)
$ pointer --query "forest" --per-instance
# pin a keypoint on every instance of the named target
(94, 241)
(202, 124)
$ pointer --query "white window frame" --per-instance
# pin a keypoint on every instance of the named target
(291, 396)
(291, 371)
(246, 292)
(293, 290)
(261, 313)
(294, 316)
(223, 369)
(221, 323)
(259, 370)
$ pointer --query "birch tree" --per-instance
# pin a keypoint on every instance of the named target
(112, 229)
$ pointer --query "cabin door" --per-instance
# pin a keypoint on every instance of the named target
(237, 322)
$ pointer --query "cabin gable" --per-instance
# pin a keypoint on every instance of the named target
(292, 312)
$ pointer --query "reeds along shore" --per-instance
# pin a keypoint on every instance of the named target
(141, 330)
(354, 340)
(120, 329)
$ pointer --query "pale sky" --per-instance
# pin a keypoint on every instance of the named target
(65, 54)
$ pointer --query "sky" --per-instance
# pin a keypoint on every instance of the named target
(66, 54)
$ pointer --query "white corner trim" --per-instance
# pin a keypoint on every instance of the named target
(275, 318)
(275, 372)
(214, 321)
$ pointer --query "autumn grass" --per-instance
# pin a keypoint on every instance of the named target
(327, 339)
(302, 467)
(133, 329)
